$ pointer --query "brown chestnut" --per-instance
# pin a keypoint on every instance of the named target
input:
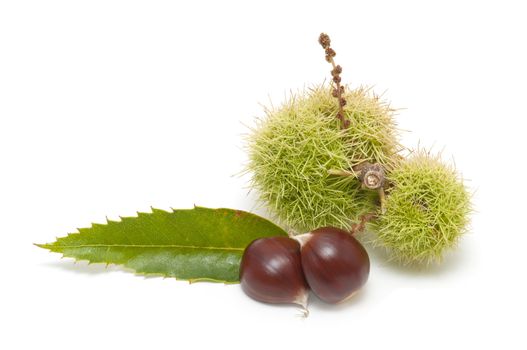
(335, 264)
(271, 271)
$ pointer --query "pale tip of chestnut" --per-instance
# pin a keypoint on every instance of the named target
(301, 300)
(302, 238)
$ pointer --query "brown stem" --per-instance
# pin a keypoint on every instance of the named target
(382, 199)
(364, 219)
(338, 89)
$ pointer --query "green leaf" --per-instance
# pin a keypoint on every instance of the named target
(198, 244)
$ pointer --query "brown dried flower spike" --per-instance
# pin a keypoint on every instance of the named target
(338, 90)
(371, 175)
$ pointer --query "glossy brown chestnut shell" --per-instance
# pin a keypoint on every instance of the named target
(271, 271)
(335, 264)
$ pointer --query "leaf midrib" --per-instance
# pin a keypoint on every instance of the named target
(49, 246)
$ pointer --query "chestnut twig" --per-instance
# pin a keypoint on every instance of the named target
(371, 176)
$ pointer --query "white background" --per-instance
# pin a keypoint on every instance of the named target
(108, 107)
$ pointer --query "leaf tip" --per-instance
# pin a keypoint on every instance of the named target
(42, 245)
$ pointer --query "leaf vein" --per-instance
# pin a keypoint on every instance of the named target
(109, 246)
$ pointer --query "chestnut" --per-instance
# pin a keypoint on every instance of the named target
(271, 271)
(335, 264)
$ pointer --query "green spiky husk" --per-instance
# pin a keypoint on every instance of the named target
(426, 211)
(293, 148)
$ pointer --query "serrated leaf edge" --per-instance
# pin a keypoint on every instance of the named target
(135, 272)
(50, 246)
